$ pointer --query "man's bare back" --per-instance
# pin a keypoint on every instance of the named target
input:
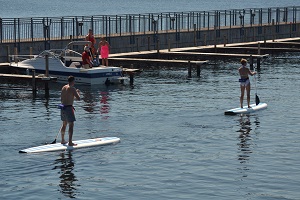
(67, 95)
(68, 92)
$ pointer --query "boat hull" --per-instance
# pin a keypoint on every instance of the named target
(92, 76)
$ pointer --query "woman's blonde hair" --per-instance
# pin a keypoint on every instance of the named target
(243, 61)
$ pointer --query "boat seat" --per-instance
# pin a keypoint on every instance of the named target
(75, 65)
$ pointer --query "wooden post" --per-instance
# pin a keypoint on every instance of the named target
(131, 75)
(291, 29)
(189, 69)
(33, 83)
(8, 54)
(137, 44)
(195, 42)
(204, 39)
(16, 54)
(225, 40)
(251, 62)
(30, 52)
(258, 64)
(148, 43)
(265, 29)
(169, 45)
(215, 38)
(157, 45)
(198, 70)
(131, 78)
(273, 28)
(258, 48)
(47, 75)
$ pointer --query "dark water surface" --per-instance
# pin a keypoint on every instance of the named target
(176, 143)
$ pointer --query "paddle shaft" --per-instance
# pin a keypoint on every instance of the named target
(55, 138)
(257, 101)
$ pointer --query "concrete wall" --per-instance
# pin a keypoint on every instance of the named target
(165, 40)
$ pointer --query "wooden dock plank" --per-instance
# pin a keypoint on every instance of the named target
(160, 60)
(218, 54)
(20, 76)
(4, 64)
(137, 53)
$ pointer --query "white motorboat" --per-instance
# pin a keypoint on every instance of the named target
(65, 62)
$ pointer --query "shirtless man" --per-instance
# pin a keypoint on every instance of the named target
(68, 92)
(245, 82)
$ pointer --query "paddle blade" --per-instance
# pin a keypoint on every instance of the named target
(257, 101)
(53, 141)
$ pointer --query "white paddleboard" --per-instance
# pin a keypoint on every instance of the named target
(80, 144)
(245, 109)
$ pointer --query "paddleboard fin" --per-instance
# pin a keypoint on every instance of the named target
(257, 101)
(229, 113)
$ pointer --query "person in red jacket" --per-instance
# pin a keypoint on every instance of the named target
(86, 59)
(90, 37)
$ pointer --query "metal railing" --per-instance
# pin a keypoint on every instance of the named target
(14, 30)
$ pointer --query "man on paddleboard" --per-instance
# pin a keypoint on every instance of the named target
(245, 81)
(68, 92)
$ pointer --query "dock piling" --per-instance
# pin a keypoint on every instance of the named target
(8, 50)
(16, 54)
(251, 62)
(148, 43)
(33, 83)
(30, 52)
(258, 63)
(189, 69)
(47, 75)
(131, 75)
(198, 70)
(195, 38)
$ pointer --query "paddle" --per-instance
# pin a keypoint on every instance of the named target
(55, 138)
(257, 101)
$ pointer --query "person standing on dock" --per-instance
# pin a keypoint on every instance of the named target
(90, 37)
(104, 48)
(245, 81)
(68, 92)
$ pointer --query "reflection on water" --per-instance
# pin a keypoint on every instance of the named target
(246, 140)
(245, 137)
(104, 104)
(88, 98)
(244, 145)
(91, 101)
(67, 178)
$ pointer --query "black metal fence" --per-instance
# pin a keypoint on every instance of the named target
(56, 28)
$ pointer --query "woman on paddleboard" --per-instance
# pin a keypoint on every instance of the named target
(245, 81)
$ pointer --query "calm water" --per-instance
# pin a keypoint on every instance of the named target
(37, 8)
(175, 141)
